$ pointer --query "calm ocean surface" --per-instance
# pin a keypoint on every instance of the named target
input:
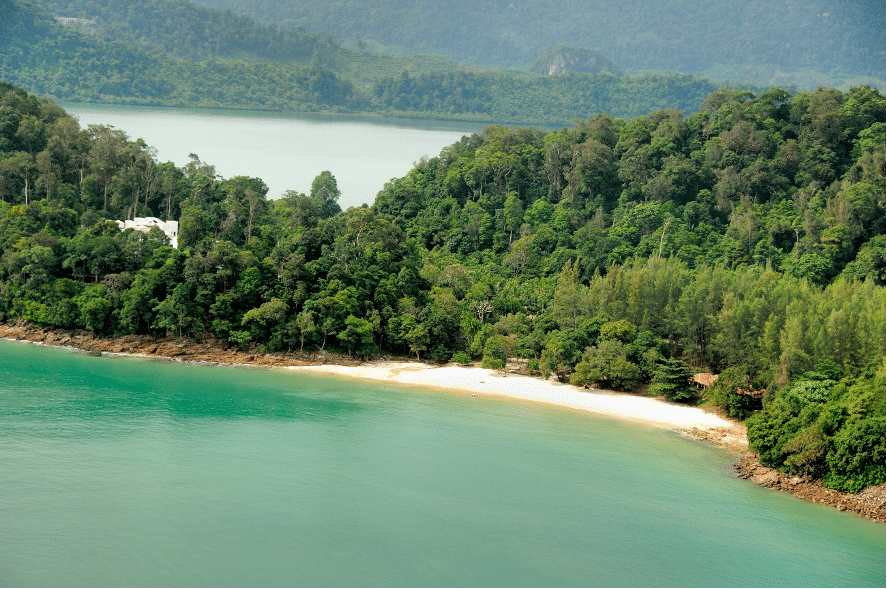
(130, 472)
(285, 150)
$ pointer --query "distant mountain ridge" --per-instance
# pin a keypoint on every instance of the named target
(174, 53)
(805, 42)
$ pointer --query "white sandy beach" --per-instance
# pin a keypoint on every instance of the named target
(488, 382)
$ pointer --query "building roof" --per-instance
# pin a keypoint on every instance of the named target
(705, 379)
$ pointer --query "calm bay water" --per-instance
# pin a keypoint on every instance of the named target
(285, 150)
(123, 471)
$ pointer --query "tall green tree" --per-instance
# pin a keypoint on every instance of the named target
(672, 381)
(568, 306)
(325, 194)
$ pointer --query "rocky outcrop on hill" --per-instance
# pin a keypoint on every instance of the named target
(562, 59)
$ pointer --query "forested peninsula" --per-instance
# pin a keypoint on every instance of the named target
(746, 239)
(173, 53)
(540, 63)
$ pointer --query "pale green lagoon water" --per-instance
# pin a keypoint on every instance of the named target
(286, 150)
(130, 472)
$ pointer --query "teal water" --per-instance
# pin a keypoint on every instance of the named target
(123, 471)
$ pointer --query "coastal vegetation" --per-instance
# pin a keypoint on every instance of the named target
(746, 239)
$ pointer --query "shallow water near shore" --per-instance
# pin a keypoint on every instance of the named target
(124, 471)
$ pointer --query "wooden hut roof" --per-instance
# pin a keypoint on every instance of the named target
(705, 379)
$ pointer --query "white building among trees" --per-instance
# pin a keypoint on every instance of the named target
(169, 228)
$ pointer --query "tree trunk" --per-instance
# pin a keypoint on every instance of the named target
(662, 239)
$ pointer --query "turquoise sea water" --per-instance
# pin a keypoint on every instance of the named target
(130, 472)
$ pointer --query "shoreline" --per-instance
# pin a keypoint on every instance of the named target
(693, 422)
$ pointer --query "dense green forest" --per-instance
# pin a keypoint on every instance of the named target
(72, 64)
(169, 52)
(185, 30)
(747, 239)
(802, 42)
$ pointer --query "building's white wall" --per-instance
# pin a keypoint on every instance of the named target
(144, 224)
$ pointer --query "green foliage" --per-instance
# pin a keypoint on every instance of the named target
(267, 323)
(325, 195)
(560, 354)
(671, 380)
(812, 387)
(585, 374)
(594, 252)
(95, 308)
(839, 438)
(189, 31)
(634, 34)
(723, 394)
(357, 337)
(461, 358)
(417, 338)
(169, 52)
(240, 338)
(622, 330)
(856, 460)
(165, 62)
(492, 363)
(304, 323)
(496, 351)
(178, 312)
(828, 369)
(567, 306)
(607, 364)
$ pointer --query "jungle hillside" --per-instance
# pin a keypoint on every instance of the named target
(746, 239)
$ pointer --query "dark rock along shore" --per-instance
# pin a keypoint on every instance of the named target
(870, 503)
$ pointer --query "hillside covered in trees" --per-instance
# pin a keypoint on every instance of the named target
(747, 239)
(805, 43)
(172, 53)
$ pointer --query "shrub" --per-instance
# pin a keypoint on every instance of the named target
(608, 365)
(723, 394)
(857, 458)
(584, 374)
(461, 358)
(623, 330)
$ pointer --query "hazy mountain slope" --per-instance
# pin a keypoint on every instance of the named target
(184, 29)
(805, 41)
(64, 62)
(147, 52)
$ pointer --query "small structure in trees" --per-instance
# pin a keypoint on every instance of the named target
(144, 224)
(758, 394)
(703, 380)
